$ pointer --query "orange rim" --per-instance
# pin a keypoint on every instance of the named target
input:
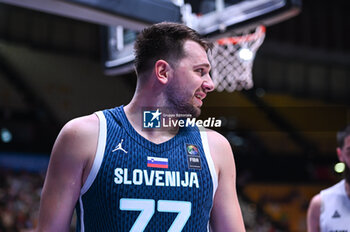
(244, 38)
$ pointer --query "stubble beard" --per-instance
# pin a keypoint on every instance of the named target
(181, 102)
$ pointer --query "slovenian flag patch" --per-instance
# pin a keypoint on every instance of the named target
(156, 162)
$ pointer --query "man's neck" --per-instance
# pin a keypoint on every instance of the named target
(134, 114)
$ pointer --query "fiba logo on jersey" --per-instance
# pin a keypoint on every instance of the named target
(151, 118)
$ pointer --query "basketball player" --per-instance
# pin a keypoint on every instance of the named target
(121, 176)
(330, 209)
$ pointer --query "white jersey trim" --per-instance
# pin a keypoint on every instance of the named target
(101, 144)
(210, 161)
(82, 227)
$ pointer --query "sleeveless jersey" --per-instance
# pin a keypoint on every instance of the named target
(137, 185)
(335, 209)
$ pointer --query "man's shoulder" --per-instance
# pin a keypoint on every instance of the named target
(216, 140)
(316, 201)
(314, 208)
(78, 138)
(82, 123)
(220, 150)
(79, 127)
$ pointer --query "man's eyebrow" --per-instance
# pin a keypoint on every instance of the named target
(203, 64)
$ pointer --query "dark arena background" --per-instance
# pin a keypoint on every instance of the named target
(55, 66)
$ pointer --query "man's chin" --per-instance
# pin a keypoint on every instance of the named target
(195, 111)
(190, 109)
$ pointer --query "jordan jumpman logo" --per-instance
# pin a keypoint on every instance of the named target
(119, 147)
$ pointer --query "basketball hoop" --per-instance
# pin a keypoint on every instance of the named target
(232, 60)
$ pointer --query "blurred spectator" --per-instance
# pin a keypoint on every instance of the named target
(19, 200)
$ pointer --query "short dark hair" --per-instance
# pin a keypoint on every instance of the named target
(341, 135)
(163, 41)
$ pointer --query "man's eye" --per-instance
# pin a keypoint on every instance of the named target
(201, 71)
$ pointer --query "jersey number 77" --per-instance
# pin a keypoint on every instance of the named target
(147, 208)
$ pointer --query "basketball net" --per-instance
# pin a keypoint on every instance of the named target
(232, 60)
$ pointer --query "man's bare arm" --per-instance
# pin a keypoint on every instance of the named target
(72, 153)
(226, 213)
(313, 214)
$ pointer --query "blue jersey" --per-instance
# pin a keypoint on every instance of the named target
(137, 185)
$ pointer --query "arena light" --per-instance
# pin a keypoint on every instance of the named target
(6, 135)
(246, 54)
(339, 167)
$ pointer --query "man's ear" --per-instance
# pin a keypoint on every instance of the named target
(163, 71)
(339, 153)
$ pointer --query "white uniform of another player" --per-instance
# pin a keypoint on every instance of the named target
(335, 209)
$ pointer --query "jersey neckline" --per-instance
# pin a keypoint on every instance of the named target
(154, 147)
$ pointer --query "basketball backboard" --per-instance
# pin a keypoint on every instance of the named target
(211, 18)
(132, 14)
(123, 19)
(231, 15)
